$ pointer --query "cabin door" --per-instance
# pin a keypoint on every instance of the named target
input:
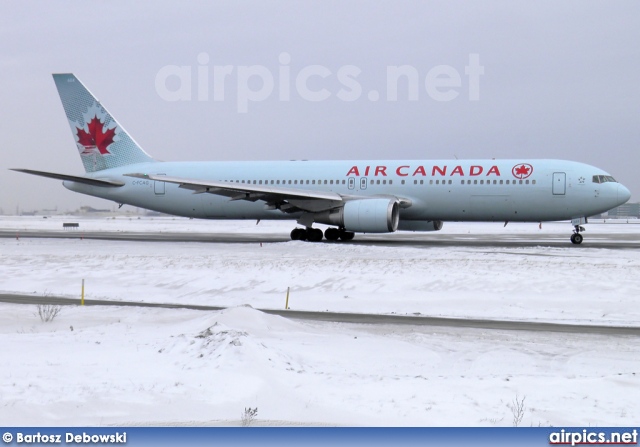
(559, 183)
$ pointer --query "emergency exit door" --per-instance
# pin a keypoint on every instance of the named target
(158, 187)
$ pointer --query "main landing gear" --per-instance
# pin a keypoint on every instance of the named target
(576, 237)
(315, 234)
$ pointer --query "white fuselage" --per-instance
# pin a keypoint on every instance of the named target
(460, 190)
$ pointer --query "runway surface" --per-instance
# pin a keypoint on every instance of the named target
(352, 318)
(628, 241)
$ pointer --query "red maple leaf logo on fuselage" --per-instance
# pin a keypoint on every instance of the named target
(522, 171)
(95, 139)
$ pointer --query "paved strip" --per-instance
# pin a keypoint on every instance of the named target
(353, 318)
(145, 236)
(418, 240)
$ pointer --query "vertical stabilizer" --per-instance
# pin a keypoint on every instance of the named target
(101, 141)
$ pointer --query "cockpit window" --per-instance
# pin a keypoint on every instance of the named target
(603, 179)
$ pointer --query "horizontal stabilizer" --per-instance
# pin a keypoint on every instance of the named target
(74, 178)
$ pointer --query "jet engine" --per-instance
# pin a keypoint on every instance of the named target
(364, 216)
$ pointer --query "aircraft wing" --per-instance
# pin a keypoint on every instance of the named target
(74, 178)
(288, 200)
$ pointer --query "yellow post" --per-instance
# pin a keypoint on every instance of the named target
(82, 296)
(286, 305)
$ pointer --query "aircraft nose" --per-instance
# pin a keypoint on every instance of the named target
(623, 194)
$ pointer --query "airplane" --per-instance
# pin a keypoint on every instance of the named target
(375, 196)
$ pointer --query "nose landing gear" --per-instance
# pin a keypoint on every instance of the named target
(576, 237)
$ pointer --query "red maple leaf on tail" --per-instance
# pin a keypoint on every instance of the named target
(95, 138)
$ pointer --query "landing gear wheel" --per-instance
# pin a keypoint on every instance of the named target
(346, 235)
(576, 238)
(314, 234)
(298, 234)
(332, 234)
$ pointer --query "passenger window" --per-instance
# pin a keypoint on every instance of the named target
(390, 182)
(533, 182)
(475, 182)
(421, 182)
(482, 182)
(331, 182)
(501, 182)
(402, 182)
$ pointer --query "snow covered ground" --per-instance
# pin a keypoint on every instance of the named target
(156, 366)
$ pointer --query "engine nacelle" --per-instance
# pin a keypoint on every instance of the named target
(420, 225)
(364, 216)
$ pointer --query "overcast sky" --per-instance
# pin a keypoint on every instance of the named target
(561, 80)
